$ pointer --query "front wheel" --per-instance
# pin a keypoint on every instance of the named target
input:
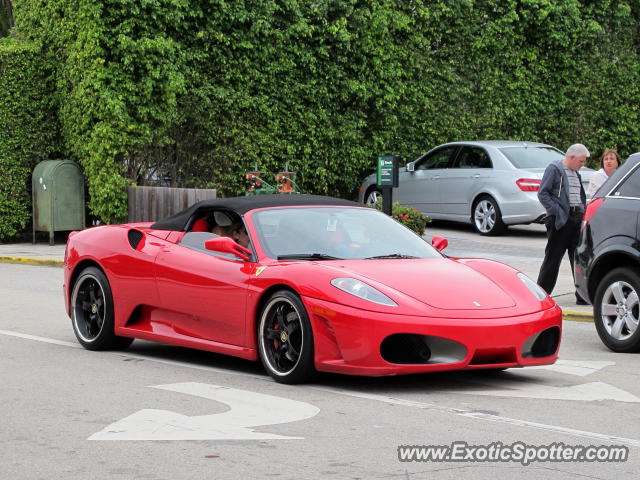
(92, 312)
(372, 197)
(285, 339)
(616, 310)
(487, 218)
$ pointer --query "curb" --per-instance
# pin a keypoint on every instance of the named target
(43, 262)
(577, 316)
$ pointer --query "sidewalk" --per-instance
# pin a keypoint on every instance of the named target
(30, 254)
(53, 256)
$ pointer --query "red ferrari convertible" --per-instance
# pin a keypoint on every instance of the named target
(304, 283)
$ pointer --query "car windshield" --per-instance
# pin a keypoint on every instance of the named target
(330, 233)
(532, 157)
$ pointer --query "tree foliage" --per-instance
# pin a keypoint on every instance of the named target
(6, 17)
(196, 92)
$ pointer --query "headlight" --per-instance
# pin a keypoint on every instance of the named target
(362, 290)
(533, 287)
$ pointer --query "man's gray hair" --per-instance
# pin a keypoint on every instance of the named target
(577, 150)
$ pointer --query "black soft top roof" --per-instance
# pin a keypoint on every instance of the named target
(241, 205)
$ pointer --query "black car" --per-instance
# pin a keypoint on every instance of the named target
(607, 262)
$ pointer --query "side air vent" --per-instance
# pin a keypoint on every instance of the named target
(135, 237)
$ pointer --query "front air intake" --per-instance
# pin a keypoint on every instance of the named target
(408, 348)
(542, 344)
(405, 348)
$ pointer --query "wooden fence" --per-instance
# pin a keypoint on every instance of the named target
(149, 204)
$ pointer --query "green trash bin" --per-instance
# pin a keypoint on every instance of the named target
(58, 197)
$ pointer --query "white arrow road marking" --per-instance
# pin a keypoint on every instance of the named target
(581, 368)
(587, 392)
(592, 436)
(248, 409)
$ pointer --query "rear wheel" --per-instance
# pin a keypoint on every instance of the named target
(486, 216)
(616, 310)
(285, 339)
(92, 312)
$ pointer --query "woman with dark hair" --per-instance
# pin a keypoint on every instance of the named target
(609, 162)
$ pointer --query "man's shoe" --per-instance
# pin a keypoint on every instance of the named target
(580, 301)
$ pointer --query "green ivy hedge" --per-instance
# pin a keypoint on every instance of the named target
(200, 91)
(27, 130)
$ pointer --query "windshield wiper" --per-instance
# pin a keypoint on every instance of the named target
(391, 255)
(308, 256)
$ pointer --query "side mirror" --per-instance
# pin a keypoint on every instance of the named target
(439, 243)
(227, 245)
(411, 167)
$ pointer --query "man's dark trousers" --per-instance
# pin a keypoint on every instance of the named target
(559, 241)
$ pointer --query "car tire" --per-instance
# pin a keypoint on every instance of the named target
(616, 310)
(486, 217)
(285, 340)
(91, 309)
(371, 197)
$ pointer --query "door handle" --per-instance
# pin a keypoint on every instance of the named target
(477, 175)
(436, 177)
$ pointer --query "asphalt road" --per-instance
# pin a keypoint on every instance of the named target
(161, 412)
(520, 243)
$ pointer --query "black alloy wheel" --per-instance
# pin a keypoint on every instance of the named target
(285, 339)
(92, 312)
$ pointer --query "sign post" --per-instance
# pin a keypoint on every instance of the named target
(387, 179)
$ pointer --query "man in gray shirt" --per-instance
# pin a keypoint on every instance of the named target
(563, 197)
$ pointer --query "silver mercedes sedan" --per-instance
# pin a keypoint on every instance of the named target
(490, 184)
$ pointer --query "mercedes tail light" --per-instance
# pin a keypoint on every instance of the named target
(528, 184)
(592, 208)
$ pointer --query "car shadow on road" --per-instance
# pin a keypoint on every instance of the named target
(195, 358)
(450, 381)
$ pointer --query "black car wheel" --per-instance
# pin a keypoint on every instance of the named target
(616, 310)
(285, 339)
(92, 312)
(487, 217)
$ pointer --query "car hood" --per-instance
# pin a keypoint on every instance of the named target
(439, 282)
